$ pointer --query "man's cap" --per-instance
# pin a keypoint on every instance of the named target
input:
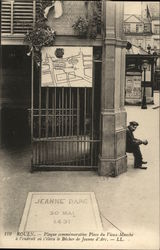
(133, 123)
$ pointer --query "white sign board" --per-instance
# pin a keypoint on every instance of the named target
(133, 87)
(66, 67)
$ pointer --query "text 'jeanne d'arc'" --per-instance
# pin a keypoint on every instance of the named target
(61, 201)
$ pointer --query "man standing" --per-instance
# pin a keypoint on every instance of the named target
(133, 145)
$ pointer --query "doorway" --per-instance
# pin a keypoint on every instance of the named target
(65, 124)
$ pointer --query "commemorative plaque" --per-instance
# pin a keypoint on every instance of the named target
(60, 211)
(67, 67)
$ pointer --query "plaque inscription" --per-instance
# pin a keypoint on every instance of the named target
(62, 211)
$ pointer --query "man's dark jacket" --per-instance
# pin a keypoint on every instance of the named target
(131, 141)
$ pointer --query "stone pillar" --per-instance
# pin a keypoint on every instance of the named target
(112, 159)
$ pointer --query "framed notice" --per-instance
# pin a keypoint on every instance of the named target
(133, 87)
(66, 67)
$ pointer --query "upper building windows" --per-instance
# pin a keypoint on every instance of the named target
(136, 24)
(133, 27)
(147, 27)
(156, 29)
(139, 28)
(127, 27)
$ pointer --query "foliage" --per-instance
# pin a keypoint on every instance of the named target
(89, 26)
(81, 26)
(41, 34)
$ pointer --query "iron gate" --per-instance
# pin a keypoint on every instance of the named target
(65, 124)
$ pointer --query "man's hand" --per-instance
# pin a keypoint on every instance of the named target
(145, 142)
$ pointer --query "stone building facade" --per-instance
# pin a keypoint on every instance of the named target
(143, 29)
(21, 81)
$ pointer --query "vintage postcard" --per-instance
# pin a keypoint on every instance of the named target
(79, 132)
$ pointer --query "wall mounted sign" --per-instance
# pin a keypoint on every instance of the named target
(66, 67)
(133, 87)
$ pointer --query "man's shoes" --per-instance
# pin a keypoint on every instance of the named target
(140, 167)
(144, 162)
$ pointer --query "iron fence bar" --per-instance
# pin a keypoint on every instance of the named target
(55, 121)
(77, 125)
(87, 113)
(59, 112)
(81, 147)
(53, 113)
(32, 95)
(32, 108)
(36, 153)
(62, 123)
(53, 118)
(66, 117)
(66, 113)
(33, 153)
(90, 125)
(81, 99)
(92, 111)
(55, 104)
(59, 96)
(41, 152)
(70, 113)
(47, 102)
(72, 99)
(85, 122)
(46, 149)
(39, 108)
(51, 153)
(62, 111)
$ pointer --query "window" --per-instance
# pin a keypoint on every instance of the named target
(156, 43)
(127, 27)
(147, 27)
(157, 28)
(138, 28)
(17, 16)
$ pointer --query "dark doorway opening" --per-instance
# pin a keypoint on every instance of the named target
(15, 96)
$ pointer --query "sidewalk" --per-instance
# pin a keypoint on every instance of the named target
(129, 202)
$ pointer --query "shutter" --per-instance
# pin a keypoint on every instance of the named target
(6, 17)
(17, 16)
(23, 14)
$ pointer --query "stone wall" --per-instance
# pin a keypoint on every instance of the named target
(71, 11)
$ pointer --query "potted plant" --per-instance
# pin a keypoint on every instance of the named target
(41, 34)
(89, 26)
(81, 27)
